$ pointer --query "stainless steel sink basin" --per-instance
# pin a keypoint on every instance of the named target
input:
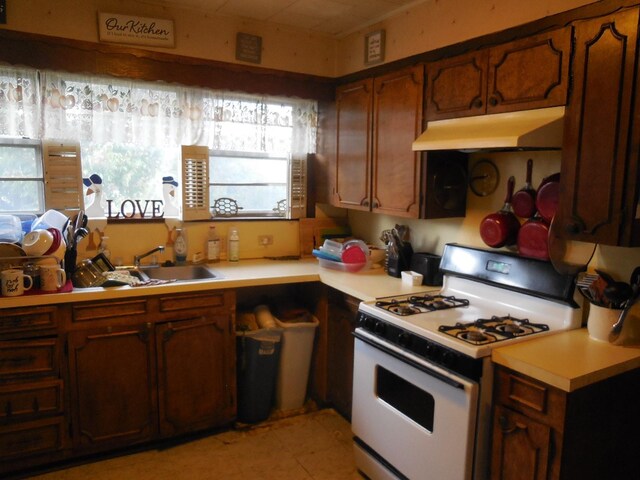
(179, 272)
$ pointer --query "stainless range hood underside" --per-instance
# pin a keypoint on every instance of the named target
(535, 129)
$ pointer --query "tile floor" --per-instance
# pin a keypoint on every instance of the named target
(314, 446)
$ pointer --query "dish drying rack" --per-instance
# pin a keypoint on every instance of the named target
(16, 262)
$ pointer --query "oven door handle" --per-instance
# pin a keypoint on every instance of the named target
(410, 361)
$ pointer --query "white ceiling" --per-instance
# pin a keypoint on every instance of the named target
(333, 17)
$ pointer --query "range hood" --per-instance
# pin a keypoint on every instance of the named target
(534, 129)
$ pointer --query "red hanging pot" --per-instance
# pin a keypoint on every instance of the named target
(501, 228)
(533, 238)
(524, 200)
(548, 197)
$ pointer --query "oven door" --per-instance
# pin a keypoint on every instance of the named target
(411, 419)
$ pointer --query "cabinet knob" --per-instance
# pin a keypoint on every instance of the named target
(365, 203)
(375, 204)
(575, 227)
(493, 101)
(477, 103)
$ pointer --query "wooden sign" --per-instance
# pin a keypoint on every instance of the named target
(152, 32)
(248, 48)
(374, 47)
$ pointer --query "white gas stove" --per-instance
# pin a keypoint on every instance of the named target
(422, 370)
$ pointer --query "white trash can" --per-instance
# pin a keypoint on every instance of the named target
(295, 361)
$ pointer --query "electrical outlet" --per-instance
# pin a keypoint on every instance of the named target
(265, 240)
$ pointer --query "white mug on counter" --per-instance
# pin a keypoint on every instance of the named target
(13, 282)
(52, 277)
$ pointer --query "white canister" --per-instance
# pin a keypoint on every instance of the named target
(52, 277)
(13, 282)
(600, 322)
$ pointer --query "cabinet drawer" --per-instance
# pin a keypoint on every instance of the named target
(186, 302)
(84, 312)
(24, 320)
(535, 399)
(30, 399)
(21, 440)
(28, 357)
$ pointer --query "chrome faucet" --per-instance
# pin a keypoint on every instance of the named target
(137, 258)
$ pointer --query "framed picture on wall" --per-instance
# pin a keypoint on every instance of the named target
(374, 47)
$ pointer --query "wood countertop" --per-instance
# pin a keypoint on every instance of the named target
(568, 360)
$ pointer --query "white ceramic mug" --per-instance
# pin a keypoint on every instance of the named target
(13, 282)
(52, 277)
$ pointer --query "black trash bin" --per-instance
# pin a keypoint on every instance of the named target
(258, 356)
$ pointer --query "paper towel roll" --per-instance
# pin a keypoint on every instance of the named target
(264, 317)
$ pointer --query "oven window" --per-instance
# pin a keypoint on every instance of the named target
(405, 397)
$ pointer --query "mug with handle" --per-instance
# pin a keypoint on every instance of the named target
(52, 277)
(13, 282)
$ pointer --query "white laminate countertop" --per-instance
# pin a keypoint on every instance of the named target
(568, 360)
(365, 285)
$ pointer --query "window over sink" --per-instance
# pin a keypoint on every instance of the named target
(130, 134)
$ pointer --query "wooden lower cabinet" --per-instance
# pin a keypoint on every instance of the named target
(112, 374)
(341, 322)
(163, 372)
(193, 390)
(541, 432)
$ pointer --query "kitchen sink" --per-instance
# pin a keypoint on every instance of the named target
(183, 273)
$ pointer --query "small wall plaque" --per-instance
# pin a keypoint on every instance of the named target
(374, 47)
(248, 48)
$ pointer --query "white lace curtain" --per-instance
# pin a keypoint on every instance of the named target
(55, 105)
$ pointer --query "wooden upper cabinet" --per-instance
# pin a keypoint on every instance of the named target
(353, 159)
(598, 194)
(457, 86)
(397, 115)
(529, 73)
(524, 74)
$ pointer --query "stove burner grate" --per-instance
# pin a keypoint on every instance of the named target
(421, 304)
(494, 329)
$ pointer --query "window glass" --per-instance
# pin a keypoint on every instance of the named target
(21, 179)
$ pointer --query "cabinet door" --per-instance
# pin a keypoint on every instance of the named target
(598, 165)
(457, 87)
(341, 323)
(353, 158)
(521, 447)
(529, 73)
(195, 373)
(397, 122)
(112, 387)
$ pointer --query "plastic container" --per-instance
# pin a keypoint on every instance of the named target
(258, 356)
(10, 229)
(234, 246)
(343, 267)
(295, 361)
(50, 219)
(213, 245)
(180, 247)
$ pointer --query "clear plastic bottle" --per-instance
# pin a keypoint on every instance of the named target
(213, 245)
(180, 246)
(234, 246)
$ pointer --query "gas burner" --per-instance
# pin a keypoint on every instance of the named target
(494, 329)
(416, 304)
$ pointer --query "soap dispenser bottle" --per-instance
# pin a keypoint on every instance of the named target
(180, 246)
(213, 245)
(234, 246)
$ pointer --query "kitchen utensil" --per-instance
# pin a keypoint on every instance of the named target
(616, 330)
(609, 280)
(524, 200)
(617, 294)
(501, 228)
(533, 238)
(568, 256)
(87, 275)
(600, 322)
(548, 196)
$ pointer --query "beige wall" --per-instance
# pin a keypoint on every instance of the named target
(430, 25)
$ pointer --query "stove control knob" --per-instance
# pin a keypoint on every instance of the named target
(430, 350)
(368, 323)
(379, 328)
(448, 358)
(404, 339)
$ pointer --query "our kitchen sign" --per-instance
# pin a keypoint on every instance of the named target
(153, 32)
